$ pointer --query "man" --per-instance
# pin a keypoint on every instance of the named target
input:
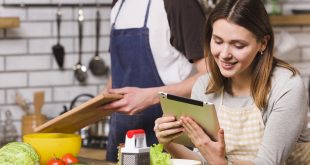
(156, 45)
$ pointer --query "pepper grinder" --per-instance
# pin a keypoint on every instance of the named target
(10, 131)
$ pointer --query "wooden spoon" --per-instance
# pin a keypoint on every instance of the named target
(38, 101)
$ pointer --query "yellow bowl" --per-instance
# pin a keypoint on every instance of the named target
(49, 145)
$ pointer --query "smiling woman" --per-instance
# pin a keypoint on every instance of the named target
(234, 48)
(255, 95)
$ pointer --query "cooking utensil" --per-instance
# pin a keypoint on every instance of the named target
(22, 103)
(97, 66)
(58, 49)
(31, 121)
(38, 101)
(80, 71)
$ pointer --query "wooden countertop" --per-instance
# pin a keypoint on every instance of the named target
(91, 153)
(93, 156)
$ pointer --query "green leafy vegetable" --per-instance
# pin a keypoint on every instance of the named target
(18, 153)
(158, 157)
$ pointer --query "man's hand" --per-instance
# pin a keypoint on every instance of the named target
(134, 100)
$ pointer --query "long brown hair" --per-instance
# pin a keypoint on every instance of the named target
(250, 14)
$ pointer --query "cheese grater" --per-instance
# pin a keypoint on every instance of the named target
(135, 151)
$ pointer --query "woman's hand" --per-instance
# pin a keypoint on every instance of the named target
(213, 152)
(167, 128)
(134, 100)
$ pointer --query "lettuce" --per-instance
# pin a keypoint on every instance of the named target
(16, 153)
(158, 157)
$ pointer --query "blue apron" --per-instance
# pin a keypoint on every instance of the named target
(132, 65)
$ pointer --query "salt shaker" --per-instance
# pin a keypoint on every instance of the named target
(10, 131)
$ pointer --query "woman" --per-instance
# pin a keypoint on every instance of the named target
(260, 100)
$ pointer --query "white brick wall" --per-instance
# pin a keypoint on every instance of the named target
(1, 64)
(11, 80)
(306, 54)
(2, 97)
(45, 45)
(13, 12)
(20, 63)
(27, 64)
(49, 14)
(51, 78)
(13, 46)
(31, 29)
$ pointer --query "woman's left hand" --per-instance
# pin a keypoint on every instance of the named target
(213, 152)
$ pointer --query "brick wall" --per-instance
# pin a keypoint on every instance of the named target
(26, 61)
(27, 65)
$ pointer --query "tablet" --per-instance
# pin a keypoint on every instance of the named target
(203, 113)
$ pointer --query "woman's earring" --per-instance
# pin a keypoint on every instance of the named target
(261, 52)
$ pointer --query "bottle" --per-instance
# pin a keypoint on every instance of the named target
(10, 131)
(2, 133)
(273, 7)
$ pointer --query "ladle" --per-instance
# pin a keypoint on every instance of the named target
(97, 66)
(80, 71)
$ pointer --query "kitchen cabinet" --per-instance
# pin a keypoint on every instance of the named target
(9, 22)
(290, 20)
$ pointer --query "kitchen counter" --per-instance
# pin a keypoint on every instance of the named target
(93, 156)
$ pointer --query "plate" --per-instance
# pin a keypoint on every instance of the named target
(185, 162)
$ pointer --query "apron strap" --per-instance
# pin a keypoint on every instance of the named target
(113, 25)
(146, 15)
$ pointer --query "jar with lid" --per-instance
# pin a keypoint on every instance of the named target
(10, 131)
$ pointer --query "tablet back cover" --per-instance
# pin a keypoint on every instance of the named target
(203, 113)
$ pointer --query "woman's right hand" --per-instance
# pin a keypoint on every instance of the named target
(167, 128)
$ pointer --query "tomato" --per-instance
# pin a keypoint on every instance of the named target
(69, 159)
(55, 161)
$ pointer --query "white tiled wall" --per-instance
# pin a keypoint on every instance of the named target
(27, 64)
(26, 61)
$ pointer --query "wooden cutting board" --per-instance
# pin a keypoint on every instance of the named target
(79, 117)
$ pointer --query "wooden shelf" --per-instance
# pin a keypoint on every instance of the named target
(9, 22)
(290, 20)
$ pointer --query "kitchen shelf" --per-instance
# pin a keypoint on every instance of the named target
(290, 20)
(9, 22)
(56, 5)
